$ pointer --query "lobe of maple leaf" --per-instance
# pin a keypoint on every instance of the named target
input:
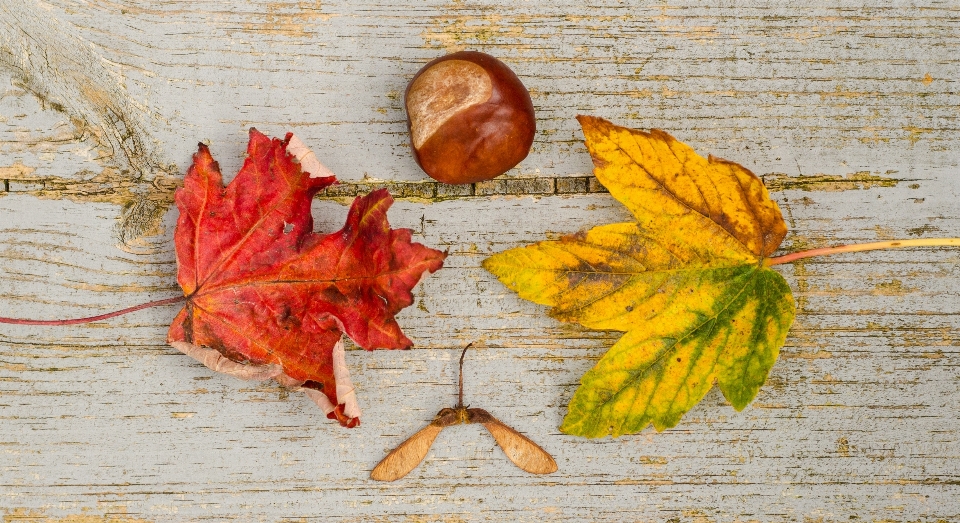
(686, 282)
(263, 289)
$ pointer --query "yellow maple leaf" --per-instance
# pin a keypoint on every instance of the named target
(687, 282)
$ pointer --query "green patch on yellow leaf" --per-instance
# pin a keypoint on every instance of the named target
(686, 282)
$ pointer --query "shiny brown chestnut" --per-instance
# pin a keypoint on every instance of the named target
(470, 118)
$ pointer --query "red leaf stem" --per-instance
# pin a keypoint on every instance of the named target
(90, 319)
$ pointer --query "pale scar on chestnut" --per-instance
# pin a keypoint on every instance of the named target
(441, 92)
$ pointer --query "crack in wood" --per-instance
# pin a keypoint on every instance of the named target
(436, 191)
(102, 188)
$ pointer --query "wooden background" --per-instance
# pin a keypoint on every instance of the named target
(849, 112)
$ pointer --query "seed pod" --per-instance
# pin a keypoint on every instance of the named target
(521, 450)
(470, 118)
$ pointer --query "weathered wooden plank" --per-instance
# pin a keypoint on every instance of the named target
(862, 400)
(797, 91)
(849, 112)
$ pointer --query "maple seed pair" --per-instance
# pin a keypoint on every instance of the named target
(521, 450)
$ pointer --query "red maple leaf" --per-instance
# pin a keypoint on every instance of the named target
(266, 297)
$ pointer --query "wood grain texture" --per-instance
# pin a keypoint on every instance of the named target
(849, 111)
